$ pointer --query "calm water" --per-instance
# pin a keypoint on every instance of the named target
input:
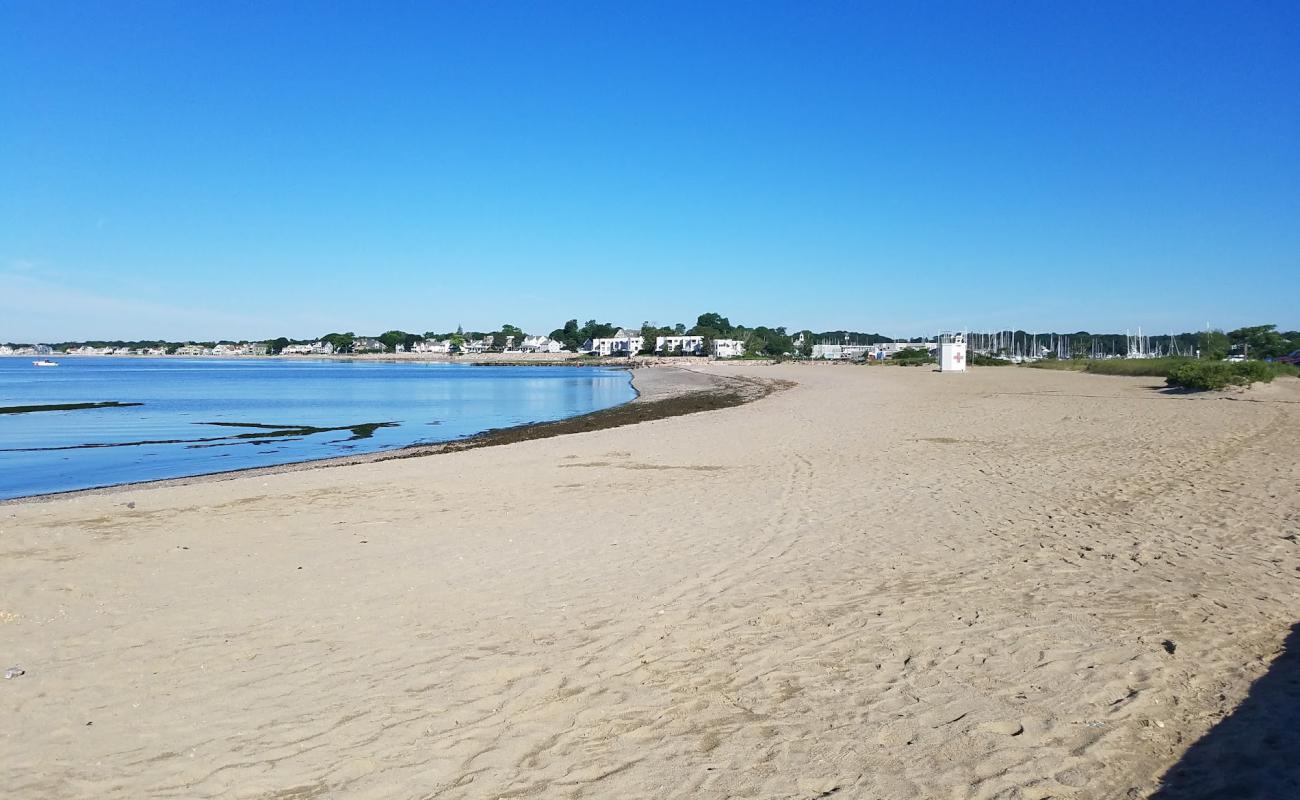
(271, 413)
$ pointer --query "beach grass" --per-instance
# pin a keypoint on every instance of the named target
(1186, 372)
(1152, 367)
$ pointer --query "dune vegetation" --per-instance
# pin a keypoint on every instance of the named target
(1186, 373)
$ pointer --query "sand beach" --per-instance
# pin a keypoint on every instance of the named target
(870, 583)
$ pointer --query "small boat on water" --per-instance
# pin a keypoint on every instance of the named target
(45, 362)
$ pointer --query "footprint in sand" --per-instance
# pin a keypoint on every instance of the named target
(1003, 727)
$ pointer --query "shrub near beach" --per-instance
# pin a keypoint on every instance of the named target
(1206, 375)
(1183, 373)
(1153, 367)
(912, 357)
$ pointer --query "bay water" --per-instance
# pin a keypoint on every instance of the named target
(183, 417)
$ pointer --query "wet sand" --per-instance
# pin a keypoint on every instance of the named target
(882, 582)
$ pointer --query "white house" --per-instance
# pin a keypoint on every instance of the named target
(685, 345)
(365, 344)
(313, 349)
(843, 351)
(540, 344)
(728, 348)
(622, 343)
(478, 345)
(30, 350)
(431, 346)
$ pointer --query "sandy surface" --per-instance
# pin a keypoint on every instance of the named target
(883, 582)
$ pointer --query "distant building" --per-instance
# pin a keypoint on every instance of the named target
(193, 350)
(890, 349)
(431, 346)
(31, 350)
(478, 345)
(365, 344)
(540, 344)
(622, 343)
(728, 348)
(683, 345)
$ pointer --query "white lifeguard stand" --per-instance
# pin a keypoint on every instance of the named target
(952, 351)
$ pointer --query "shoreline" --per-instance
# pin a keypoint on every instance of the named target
(658, 396)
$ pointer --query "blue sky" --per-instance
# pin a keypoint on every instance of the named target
(248, 170)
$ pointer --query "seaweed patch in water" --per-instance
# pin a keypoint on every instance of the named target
(363, 431)
(63, 407)
(262, 435)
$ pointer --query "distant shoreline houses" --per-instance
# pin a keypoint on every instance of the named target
(713, 336)
(623, 343)
(629, 343)
(879, 351)
(30, 350)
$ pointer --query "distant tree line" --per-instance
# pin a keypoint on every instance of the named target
(1256, 342)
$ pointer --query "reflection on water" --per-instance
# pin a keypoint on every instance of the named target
(124, 420)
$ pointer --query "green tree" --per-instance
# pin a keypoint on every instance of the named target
(715, 322)
(1213, 345)
(342, 342)
(766, 341)
(390, 340)
(508, 333)
(597, 330)
(274, 347)
(649, 334)
(568, 335)
(1261, 341)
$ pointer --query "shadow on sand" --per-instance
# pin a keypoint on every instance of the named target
(1255, 751)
